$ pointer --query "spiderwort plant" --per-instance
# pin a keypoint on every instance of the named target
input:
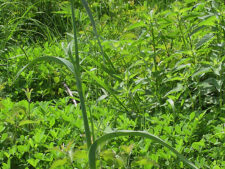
(74, 67)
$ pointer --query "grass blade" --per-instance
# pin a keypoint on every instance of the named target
(76, 64)
(58, 60)
(85, 4)
(109, 136)
(108, 89)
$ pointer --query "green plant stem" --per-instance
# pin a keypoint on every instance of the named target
(76, 65)
(92, 125)
(181, 31)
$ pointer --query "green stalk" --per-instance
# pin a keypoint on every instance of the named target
(76, 65)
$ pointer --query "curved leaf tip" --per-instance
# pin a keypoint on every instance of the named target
(109, 136)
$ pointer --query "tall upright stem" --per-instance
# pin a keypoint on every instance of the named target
(76, 65)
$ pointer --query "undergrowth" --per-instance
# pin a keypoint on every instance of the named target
(164, 75)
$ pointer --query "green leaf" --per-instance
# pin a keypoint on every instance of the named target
(136, 25)
(106, 87)
(145, 162)
(208, 20)
(80, 154)
(2, 128)
(171, 102)
(4, 136)
(85, 4)
(201, 72)
(27, 122)
(216, 83)
(58, 163)
(33, 162)
(127, 149)
(61, 61)
(56, 79)
(179, 88)
(109, 136)
(192, 116)
(128, 36)
(204, 40)
(108, 155)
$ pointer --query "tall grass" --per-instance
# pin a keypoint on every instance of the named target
(74, 67)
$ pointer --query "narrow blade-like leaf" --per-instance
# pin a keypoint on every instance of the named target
(61, 61)
(109, 136)
(85, 4)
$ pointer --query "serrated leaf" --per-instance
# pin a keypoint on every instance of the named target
(204, 40)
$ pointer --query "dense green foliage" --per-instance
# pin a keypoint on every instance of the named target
(165, 76)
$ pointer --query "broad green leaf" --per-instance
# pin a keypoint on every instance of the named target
(197, 30)
(179, 88)
(80, 154)
(56, 79)
(58, 163)
(216, 83)
(27, 122)
(2, 128)
(136, 25)
(109, 136)
(192, 116)
(127, 149)
(108, 155)
(205, 85)
(204, 40)
(208, 20)
(145, 162)
(201, 72)
(33, 162)
(128, 36)
(182, 66)
(4, 136)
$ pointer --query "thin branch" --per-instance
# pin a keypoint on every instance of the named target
(70, 93)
